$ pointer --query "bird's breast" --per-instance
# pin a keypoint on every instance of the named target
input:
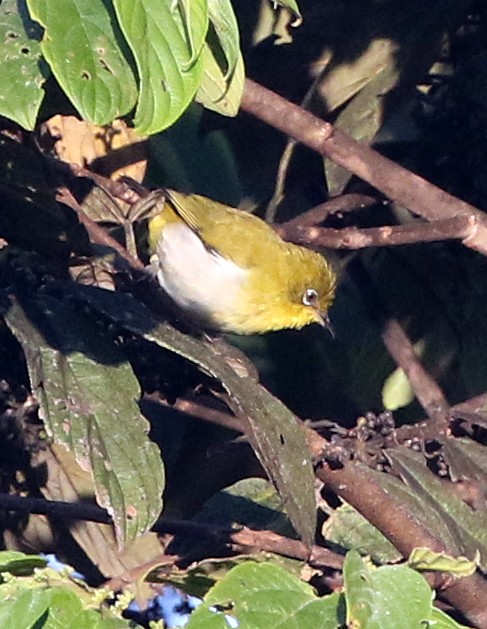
(201, 281)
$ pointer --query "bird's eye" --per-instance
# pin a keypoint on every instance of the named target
(310, 297)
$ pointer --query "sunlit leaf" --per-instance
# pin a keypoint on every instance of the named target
(81, 47)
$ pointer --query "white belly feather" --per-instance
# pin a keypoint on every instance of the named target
(199, 281)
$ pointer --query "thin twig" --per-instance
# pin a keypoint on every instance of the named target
(338, 205)
(244, 537)
(457, 228)
(425, 387)
(97, 234)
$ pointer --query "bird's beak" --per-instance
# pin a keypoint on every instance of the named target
(326, 323)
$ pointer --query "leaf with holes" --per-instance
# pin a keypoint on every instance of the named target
(88, 400)
(81, 46)
(22, 72)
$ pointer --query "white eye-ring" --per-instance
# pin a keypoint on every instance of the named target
(310, 297)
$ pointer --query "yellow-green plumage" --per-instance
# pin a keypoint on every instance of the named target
(230, 271)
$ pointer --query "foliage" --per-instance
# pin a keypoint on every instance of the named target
(103, 390)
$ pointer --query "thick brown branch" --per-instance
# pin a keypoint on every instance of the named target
(356, 484)
(396, 182)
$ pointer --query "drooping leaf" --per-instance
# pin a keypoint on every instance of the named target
(87, 394)
(271, 428)
(292, 6)
(225, 25)
(22, 73)
(81, 47)
(166, 39)
(216, 92)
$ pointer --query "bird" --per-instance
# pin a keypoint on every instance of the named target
(230, 272)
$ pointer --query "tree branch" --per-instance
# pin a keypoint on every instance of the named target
(396, 182)
(456, 228)
(359, 486)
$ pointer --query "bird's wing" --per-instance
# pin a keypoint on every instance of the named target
(219, 225)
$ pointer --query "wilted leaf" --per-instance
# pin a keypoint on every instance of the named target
(292, 6)
(116, 148)
(426, 559)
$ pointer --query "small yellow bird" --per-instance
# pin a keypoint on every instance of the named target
(229, 270)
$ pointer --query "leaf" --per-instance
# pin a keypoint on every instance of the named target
(223, 20)
(440, 620)
(81, 46)
(215, 92)
(68, 483)
(87, 395)
(349, 529)
(397, 391)
(394, 597)
(292, 6)
(67, 611)
(446, 516)
(271, 428)
(263, 596)
(23, 609)
(18, 563)
(251, 502)
(166, 39)
(426, 559)
(361, 120)
(22, 74)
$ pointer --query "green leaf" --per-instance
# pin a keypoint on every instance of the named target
(251, 502)
(349, 529)
(224, 23)
(87, 394)
(18, 563)
(427, 559)
(397, 391)
(272, 429)
(22, 74)
(216, 92)
(81, 46)
(394, 597)
(166, 39)
(440, 620)
(66, 611)
(292, 6)
(264, 596)
(24, 608)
